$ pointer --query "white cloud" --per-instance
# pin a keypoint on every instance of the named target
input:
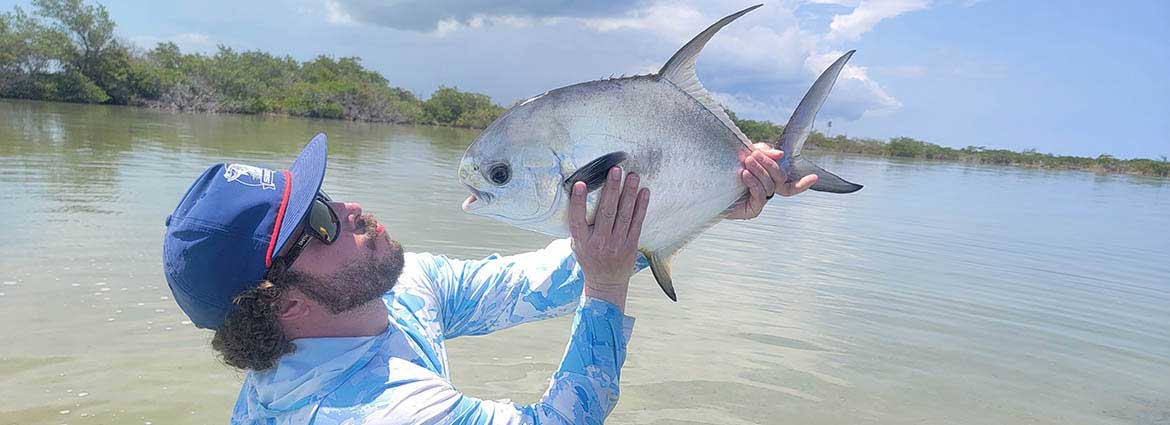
(746, 105)
(766, 44)
(335, 14)
(446, 27)
(760, 66)
(857, 94)
(671, 20)
(867, 14)
(848, 3)
(440, 16)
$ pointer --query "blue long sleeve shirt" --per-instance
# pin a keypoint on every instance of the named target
(402, 375)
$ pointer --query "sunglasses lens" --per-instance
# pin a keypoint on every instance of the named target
(322, 221)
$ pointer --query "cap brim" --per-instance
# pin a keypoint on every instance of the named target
(308, 171)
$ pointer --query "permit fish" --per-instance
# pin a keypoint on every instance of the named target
(664, 126)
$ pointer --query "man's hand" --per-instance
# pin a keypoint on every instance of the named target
(607, 250)
(764, 178)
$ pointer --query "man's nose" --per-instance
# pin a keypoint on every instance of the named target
(350, 211)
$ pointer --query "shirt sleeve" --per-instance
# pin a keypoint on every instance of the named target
(583, 390)
(477, 297)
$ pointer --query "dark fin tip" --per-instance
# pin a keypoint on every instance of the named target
(661, 271)
(847, 187)
(596, 171)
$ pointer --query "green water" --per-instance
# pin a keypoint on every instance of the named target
(940, 293)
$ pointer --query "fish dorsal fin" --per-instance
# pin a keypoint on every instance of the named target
(680, 70)
(660, 266)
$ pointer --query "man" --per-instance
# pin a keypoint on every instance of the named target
(335, 324)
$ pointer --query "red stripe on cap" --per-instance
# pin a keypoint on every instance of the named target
(279, 218)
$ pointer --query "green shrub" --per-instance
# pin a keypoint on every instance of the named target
(74, 87)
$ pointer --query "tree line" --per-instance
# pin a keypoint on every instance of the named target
(65, 50)
(906, 147)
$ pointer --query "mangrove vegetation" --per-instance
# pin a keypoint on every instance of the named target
(906, 147)
(65, 50)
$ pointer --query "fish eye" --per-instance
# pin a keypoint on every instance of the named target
(500, 174)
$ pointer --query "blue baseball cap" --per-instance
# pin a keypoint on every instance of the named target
(223, 236)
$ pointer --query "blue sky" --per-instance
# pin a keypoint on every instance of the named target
(1079, 78)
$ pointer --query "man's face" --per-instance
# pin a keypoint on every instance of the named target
(360, 266)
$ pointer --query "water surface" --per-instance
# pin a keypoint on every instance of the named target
(941, 293)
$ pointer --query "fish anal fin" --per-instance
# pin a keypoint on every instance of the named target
(680, 70)
(660, 266)
(595, 172)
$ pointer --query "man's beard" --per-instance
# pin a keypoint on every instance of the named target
(362, 281)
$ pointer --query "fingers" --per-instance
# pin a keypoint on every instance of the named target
(753, 164)
(578, 227)
(768, 151)
(625, 211)
(636, 222)
(756, 198)
(778, 176)
(607, 206)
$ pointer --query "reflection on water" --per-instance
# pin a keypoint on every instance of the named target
(941, 293)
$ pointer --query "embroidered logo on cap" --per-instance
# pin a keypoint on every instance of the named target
(250, 176)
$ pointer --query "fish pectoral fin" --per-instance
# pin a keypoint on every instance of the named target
(595, 172)
(660, 266)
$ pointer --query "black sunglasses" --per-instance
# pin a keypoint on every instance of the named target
(321, 223)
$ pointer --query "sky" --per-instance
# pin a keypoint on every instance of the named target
(1075, 78)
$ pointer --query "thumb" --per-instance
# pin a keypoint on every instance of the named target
(806, 182)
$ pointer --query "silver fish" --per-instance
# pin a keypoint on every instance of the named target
(666, 127)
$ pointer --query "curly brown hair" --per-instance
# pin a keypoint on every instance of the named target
(251, 336)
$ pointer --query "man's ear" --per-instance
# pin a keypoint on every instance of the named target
(294, 305)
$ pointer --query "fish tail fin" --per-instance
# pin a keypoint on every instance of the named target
(826, 181)
(799, 127)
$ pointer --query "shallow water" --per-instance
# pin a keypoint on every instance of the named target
(940, 293)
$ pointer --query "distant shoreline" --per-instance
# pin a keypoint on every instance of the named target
(897, 148)
(906, 147)
(1104, 164)
(1100, 172)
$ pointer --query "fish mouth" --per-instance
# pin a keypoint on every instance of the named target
(477, 200)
